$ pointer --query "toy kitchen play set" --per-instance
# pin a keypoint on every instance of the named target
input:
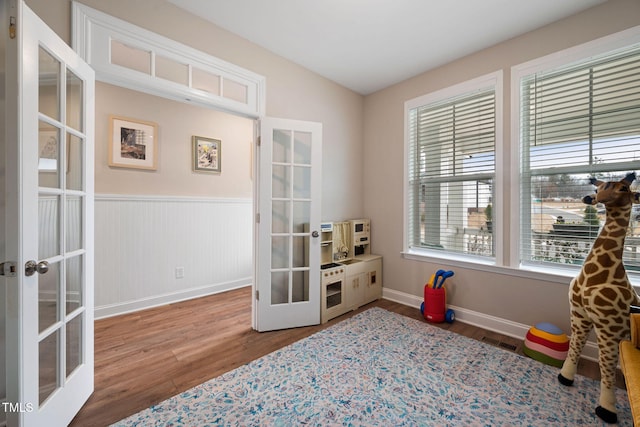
(351, 275)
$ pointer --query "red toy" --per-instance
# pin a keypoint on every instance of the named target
(434, 307)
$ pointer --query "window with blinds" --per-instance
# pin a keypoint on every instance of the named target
(451, 172)
(577, 122)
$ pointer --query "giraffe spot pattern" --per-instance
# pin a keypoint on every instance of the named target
(604, 259)
(620, 231)
(591, 268)
(598, 278)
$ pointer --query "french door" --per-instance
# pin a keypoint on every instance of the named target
(48, 266)
(287, 258)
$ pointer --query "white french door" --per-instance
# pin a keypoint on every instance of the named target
(287, 264)
(48, 270)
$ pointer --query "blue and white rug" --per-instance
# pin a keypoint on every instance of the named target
(382, 369)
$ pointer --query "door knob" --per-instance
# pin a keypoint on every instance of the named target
(315, 233)
(32, 267)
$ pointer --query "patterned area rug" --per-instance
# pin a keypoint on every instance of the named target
(382, 369)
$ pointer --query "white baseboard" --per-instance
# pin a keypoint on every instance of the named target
(484, 321)
(111, 310)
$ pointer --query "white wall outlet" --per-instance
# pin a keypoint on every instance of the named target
(179, 272)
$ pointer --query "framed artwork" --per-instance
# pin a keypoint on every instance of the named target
(207, 154)
(133, 143)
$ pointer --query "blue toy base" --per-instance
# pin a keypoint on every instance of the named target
(450, 316)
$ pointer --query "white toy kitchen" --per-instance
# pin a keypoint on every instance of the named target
(351, 275)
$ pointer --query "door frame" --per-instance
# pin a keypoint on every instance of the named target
(92, 26)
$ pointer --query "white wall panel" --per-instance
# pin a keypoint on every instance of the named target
(142, 240)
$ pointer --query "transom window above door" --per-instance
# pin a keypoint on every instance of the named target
(129, 56)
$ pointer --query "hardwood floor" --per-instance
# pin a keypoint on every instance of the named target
(146, 357)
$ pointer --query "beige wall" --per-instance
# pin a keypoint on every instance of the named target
(291, 91)
(177, 123)
(498, 294)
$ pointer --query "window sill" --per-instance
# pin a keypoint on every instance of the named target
(549, 274)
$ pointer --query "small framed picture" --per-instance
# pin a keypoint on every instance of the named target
(133, 143)
(207, 154)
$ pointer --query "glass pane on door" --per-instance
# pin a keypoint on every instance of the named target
(74, 163)
(280, 252)
(281, 181)
(48, 155)
(302, 148)
(48, 367)
(300, 257)
(281, 146)
(49, 84)
(280, 217)
(49, 297)
(279, 287)
(301, 182)
(74, 282)
(74, 344)
(48, 226)
(301, 216)
(300, 286)
(73, 229)
(74, 101)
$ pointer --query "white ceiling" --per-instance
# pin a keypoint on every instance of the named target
(367, 45)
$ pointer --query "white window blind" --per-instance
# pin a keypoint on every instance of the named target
(451, 171)
(578, 121)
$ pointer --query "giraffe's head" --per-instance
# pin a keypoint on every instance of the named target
(613, 193)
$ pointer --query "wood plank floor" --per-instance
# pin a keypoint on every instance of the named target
(146, 357)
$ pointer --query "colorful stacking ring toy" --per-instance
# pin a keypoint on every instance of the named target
(546, 343)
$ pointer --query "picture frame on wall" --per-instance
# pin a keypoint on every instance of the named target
(133, 143)
(207, 154)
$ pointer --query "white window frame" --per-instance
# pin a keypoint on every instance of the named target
(93, 32)
(494, 80)
(559, 59)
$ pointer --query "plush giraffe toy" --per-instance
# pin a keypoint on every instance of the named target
(600, 295)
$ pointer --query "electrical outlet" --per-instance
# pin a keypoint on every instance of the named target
(179, 272)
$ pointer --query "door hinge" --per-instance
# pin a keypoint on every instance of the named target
(12, 27)
(258, 141)
(258, 295)
(258, 218)
(8, 269)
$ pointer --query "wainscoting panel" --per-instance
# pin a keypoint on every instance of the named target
(156, 250)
